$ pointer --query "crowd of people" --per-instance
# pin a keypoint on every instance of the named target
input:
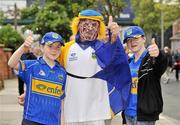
(91, 78)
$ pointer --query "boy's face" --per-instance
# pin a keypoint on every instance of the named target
(51, 51)
(136, 44)
(88, 29)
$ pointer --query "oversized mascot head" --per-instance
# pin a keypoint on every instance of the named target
(89, 24)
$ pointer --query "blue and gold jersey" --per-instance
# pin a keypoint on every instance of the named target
(44, 91)
(115, 70)
(134, 67)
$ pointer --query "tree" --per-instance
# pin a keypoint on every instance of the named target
(1, 17)
(30, 12)
(10, 37)
(109, 7)
(73, 7)
(50, 17)
(56, 15)
(148, 14)
(170, 11)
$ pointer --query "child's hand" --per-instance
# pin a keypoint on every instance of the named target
(28, 41)
(21, 99)
(153, 49)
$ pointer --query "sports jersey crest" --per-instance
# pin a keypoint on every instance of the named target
(42, 73)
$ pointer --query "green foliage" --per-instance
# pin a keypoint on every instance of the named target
(170, 12)
(10, 37)
(109, 7)
(56, 15)
(52, 17)
(1, 17)
(145, 15)
(30, 12)
(73, 7)
(148, 14)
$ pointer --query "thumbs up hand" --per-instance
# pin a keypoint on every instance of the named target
(153, 48)
(114, 28)
(29, 40)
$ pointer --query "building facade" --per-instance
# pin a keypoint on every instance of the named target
(175, 39)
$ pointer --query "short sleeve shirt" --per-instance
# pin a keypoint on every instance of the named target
(44, 91)
(131, 110)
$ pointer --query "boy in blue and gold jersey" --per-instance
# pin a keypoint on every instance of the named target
(147, 66)
(45, 81)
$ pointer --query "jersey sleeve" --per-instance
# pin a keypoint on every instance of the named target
(64, 52)
(25, 69)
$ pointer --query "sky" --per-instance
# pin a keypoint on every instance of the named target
(9, 4)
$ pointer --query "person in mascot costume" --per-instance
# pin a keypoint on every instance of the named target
(99, 80)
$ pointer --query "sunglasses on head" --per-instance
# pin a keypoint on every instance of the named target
(135, 37)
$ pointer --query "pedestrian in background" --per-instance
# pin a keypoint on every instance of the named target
(45, 81)
(177, 63)
(147, 67)
(166, 75)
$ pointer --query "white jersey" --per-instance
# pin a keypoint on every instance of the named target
(86, 99)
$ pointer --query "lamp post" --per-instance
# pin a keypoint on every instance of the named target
(162, 26)
(161, 23)
(15, 16)
(162, 29)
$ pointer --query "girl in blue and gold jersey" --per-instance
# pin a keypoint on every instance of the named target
(45, 81)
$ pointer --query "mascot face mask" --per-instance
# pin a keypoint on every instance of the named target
(88, 29)
(89, 24)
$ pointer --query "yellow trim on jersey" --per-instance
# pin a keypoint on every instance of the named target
(134, 85)
(47, 88)
(64, 52)
(22, 65)
(112, 113)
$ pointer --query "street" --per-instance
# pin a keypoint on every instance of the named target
(171, 96)
(11, 112)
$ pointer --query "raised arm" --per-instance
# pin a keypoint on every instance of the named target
(15, 58)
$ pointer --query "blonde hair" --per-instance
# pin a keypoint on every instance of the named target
(76, 20)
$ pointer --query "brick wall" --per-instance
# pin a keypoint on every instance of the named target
(5, 70)
(8, 70)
